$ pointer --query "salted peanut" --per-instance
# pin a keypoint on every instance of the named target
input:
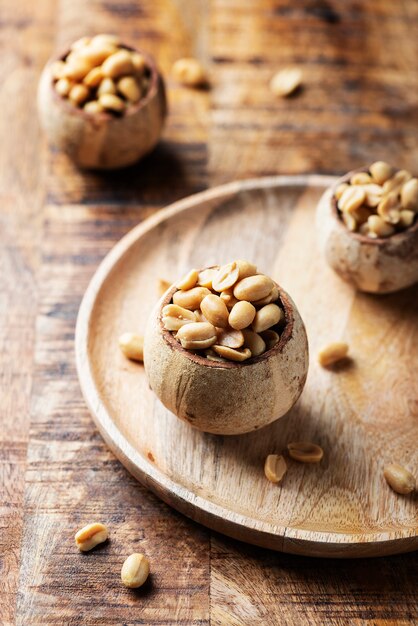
(112, 103)
(242, 315)
(230, 338)
(118, 64)
(364, 229)
(106, 86)
(349, 220)
(205, 278)
(93, 107)
(132, 346)
(361, 215)
(275, 468)
(232, 354)
(188, 281)
(254, 342)
(76, 68)
(163, 285)
(272, 297)
(190, 72)
(399, 478)
(389, 208)
(266, 317)
(105, 39)
(215, 311)
(379, 227)
(397, 181)
(352, 198)
(78, 94)
(199, 316)
(332, 353)
(129, 88)
(97, 54)
(253, 288)
(361, 178)
(57, 70)
(226, 277)
(228, 297)
(212, 356)
(191, 298)
(90, 536)
(63, 86)
(406, 218)
(139, 62)
(93, 78)
(373, 194)
(135, 570)
(197, 335)
(340, 190)
(286, 81)
(380, 172)
(409, 195)
(174, 317)
(305, 451)
(245, 268)
(80, 43)
(270, 337)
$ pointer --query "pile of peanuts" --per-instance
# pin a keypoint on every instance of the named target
(380, 202)
(99, 74)
(226, 313)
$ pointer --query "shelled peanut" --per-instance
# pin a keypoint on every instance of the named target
(379, 202)
(100, 75)
(228, 313)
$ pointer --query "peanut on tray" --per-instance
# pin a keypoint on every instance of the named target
(100, 74)
(378, 202)
(226, 313)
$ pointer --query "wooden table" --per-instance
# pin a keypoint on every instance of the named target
(359, 103)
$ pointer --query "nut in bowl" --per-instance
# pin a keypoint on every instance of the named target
(367, 227)
(228, 357)
(102, 102)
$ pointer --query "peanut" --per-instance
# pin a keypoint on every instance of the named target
(272, 297)
(361, 178)
(135, 570)
(270, 337)
(242, 315)
(232, 354)
(93, 78)
(106, 86)
(112, 103)
(231, 338)
(399, 478)
(352, 198)
(215, 311)
(78, 94)
(189, 72)
(174, 317)
(63, 86)
(245, 269)
(118, 64)
(275, 468)
(90, 536)
(205, 278)
(129, 88)
(228, 297)
(192, 298)
(409, 195)
(332, 353)
(286, 81)
(163, 285)
(379, 227)
(305, 452)
(189, 281)
(254, 342)
(93, 107)
(226, 277)
(197, 335)
(380, 172)
(267, 317)
(132, 346)
(406, 218)
(253, 288)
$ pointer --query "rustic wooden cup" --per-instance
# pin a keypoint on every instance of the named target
(103, 140)
(227, 398)
(381, 265)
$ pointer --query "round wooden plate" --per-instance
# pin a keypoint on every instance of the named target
(364, 414)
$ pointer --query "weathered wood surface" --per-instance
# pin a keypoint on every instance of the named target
(56, 225)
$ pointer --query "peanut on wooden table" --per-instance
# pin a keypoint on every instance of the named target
(228, 313)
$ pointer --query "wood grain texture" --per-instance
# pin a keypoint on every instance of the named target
(340, 508)
(359, 104)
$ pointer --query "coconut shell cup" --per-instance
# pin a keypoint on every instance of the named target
(227, 398)
(102, 140)
(381, 265)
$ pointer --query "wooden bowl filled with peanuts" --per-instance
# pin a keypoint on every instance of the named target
(226, 349)
(102, 102)
(367, 226)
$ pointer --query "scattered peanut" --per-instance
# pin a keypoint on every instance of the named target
(89, 69)
(372, 202)
(305, 451)
(275, 468)
(132, 346)
(227, 312)
(286, 81)
(135, 570)
(90, 536)
(190, 72)
(163, 285)
(399, 478)
(332, 353)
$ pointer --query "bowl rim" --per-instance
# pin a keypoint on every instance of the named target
(155, 82)
(285, 335)
(396, 238)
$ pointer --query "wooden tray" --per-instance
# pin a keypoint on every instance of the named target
(364, 415)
